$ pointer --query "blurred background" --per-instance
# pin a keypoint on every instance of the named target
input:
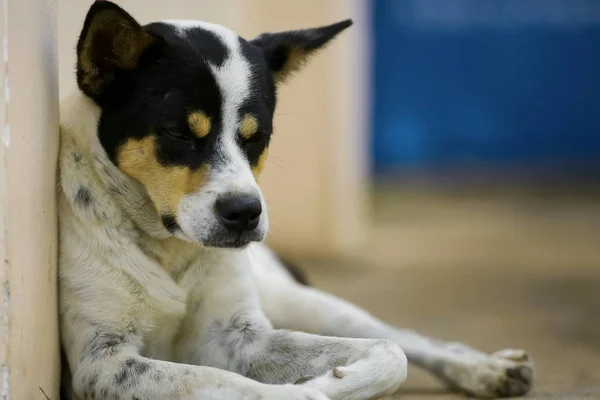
(439, 164)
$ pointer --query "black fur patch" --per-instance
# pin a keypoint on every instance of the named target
(83, 197)
(90, 386)
(173, 78)
(130, 373)
(202, 42)
(170, 223)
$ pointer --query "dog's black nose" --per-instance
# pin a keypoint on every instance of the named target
(239, 213)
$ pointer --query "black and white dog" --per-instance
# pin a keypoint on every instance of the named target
(163, 294)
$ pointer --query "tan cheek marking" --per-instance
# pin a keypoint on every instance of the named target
(256, 170)
(199, 123)
(165, 185)
(196, 180)
(249, 126)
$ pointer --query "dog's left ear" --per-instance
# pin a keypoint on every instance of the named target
(111, 41)
(286, 52)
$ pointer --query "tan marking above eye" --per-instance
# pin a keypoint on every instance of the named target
(249, 126)
(199, 123)
(165, 184)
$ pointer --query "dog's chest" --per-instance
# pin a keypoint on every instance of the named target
(165, 323)
(173, 255)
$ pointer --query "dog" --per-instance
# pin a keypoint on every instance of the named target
(164, 289)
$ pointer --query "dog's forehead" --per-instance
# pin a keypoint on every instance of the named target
(210, 43)
(213, 43)
(238, 68)
(187, 28)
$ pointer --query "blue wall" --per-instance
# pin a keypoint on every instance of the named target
(485, 83)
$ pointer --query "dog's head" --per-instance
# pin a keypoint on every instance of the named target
(187, 111)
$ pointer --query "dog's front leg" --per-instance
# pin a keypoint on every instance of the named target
(105, 358)
(225, 328)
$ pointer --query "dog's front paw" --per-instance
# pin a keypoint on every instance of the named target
(506, 373)
(378, 373)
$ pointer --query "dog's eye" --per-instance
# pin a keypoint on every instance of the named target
(173, 134)
(256, 138)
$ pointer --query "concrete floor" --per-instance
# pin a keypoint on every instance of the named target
(494, 272)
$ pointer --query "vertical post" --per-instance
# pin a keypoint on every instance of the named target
(4, 294)
(29, 354)
(347, 141)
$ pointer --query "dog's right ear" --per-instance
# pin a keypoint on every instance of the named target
(111, 40)
(286, 52)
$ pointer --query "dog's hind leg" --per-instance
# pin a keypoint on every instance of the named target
(290, 305)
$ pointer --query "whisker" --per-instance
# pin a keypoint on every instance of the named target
(268, 195)
(141, 207)
(284, 114)
(274, 163)
(273, 232)
(138, 205)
